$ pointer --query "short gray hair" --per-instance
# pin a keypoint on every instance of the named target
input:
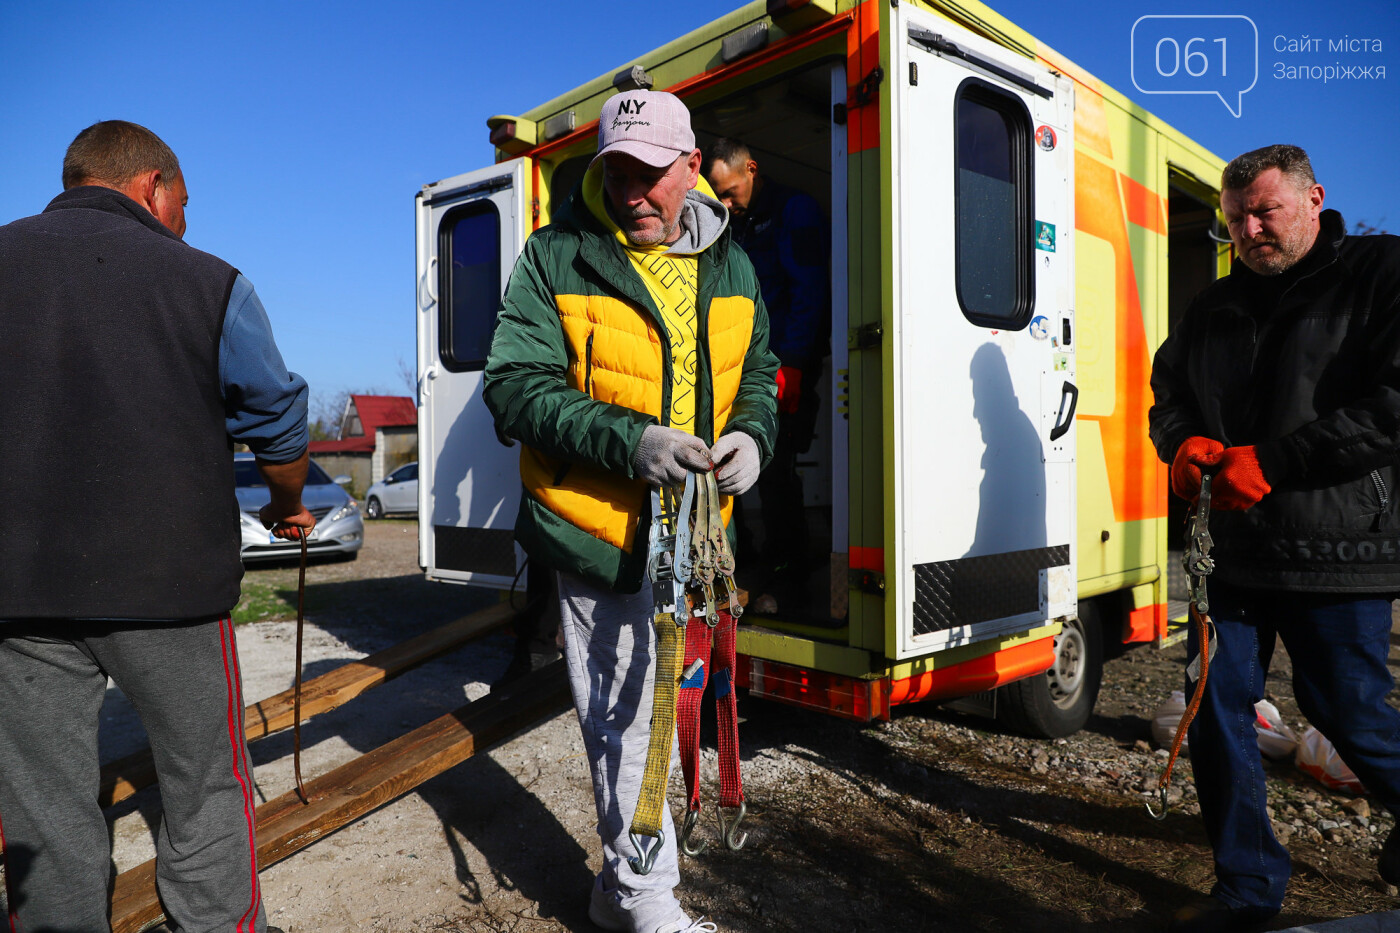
(112, 152)
(1290, 160)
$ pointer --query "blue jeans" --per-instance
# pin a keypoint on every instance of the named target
(1338, 645)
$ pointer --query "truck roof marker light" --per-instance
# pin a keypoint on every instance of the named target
(744, 42)
(561, 124)
(633, 79)
(511, 134)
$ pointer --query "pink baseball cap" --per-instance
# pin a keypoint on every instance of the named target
(651, 126)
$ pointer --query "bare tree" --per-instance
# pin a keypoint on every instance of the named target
(325, 414)
(408, 377)
(327, 407)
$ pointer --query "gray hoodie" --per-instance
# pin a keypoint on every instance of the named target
(702, 220)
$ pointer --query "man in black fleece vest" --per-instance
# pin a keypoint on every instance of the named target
(128, 361)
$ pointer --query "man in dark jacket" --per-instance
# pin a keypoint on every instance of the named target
(1284, 379)
(787, 238)
(129, 361)
(630, 349)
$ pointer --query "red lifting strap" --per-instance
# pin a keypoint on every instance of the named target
(698, 638)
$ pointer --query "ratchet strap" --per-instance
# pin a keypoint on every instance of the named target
(716, 629)
(668, 568)
(692, 572)
(1198, 564)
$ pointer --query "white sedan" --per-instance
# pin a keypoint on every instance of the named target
(338, 527)
(395, 493)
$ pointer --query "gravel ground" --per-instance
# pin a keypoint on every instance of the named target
(934, 821)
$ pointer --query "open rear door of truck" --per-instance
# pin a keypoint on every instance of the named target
(471, 228)
(982, 338)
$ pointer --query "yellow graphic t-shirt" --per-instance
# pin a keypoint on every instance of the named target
(673, 283)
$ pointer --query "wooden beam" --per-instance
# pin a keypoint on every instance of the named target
(125, 776)
(286, 825)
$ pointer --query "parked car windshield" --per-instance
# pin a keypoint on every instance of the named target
(246, 474)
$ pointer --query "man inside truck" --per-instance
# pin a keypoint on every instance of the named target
(630, 349)
(787, 238)
(1283, 380)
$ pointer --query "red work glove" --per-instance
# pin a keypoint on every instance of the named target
(1194, 453)
(789, 389)
(1239, 484)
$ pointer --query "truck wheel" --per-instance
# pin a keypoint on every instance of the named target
(373, 509)
(1058, 702)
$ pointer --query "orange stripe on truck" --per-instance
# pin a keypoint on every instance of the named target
(976, 675)
(863, 57)
(1136, 483)
(1147, 623)
(1143, 207)
(868, 558)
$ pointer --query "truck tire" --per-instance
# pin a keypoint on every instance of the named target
(1058, 702)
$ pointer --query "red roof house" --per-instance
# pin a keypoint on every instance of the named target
(378, 434)
(364, 415)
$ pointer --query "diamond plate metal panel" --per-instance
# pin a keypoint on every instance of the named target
(969, 590)
(475, 550)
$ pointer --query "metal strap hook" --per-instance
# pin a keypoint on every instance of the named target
(729, 832)
(643, 861)
(692, 818)
(1159, 814)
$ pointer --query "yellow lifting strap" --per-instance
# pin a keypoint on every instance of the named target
(669, 567)
(670, 651)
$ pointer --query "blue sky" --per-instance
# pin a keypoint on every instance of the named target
(305, 128)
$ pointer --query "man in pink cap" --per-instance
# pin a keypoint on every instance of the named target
(631, 348)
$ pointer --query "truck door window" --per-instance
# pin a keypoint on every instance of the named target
(470, 247)
(994, 206)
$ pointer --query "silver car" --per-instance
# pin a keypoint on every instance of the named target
(395, 493)
(339, 529)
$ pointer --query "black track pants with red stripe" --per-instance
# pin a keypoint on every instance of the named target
(183, 680)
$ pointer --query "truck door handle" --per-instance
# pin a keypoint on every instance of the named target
(1065, 418)
(427, 291)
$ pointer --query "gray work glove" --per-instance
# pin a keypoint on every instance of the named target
(736, 462)
(665, 455)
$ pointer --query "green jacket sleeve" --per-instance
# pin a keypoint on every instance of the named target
(526, 389)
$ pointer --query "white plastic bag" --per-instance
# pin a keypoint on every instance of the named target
(1317, 757)
(1165, 720)
(1276, 740)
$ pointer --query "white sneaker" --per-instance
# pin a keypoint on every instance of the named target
(689, 926)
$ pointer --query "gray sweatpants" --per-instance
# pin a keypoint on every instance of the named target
(183, 680)
(609, 643)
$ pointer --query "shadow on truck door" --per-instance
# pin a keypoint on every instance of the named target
(1011, 497)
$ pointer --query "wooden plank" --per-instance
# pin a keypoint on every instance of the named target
(286, 825)
(125, 776)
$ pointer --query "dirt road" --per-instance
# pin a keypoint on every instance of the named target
(934, 821)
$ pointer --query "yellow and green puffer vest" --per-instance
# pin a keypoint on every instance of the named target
(578, 369)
